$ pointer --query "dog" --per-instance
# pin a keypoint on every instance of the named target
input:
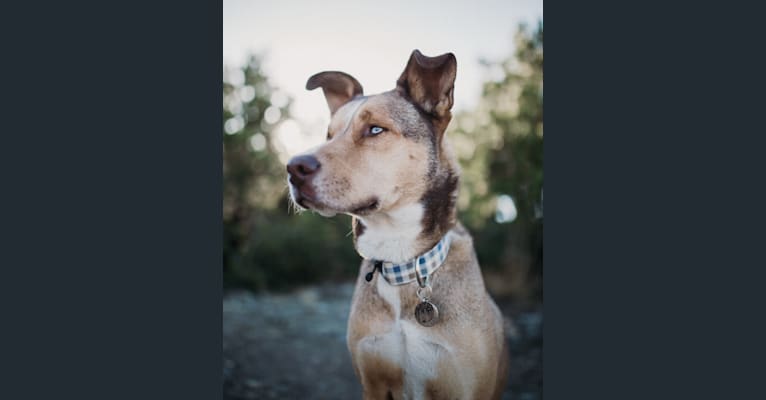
(421, 325)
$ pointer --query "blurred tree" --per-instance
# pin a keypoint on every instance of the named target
(249, 164)
(264, 247)
(500, 145)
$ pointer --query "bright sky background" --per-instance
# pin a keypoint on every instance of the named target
(369, 40)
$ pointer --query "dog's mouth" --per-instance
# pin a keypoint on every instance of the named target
(305, 200)
(309, 201)
(366, 207)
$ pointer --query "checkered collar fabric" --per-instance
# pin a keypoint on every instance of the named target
(423, 265)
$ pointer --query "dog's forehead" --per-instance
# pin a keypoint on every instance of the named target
(344, 115)
(387, 107)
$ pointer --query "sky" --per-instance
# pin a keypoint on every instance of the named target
(372, 41)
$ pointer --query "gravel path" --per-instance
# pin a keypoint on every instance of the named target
(293, 346)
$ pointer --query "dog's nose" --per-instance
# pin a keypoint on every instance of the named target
(302, 167)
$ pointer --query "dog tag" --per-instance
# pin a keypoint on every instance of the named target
(426, 313)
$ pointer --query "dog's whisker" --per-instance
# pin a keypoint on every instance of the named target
(292, 206)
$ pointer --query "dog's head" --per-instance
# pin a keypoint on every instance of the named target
(383, 151)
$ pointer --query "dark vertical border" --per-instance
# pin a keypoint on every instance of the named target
(111, 215)
(652, 215)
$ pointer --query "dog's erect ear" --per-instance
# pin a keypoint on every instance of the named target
(339, 87)
(429, 82)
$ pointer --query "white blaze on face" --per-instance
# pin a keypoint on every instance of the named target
(343, 118)
(345, 115)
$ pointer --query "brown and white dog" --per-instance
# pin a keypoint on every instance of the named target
(387, 163)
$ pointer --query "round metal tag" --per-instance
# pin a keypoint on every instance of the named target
(426, 313)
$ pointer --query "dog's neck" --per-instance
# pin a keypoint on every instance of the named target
(392, 236)
(408, 231)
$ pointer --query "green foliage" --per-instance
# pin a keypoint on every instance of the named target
(265, 247)
(292, 250)
(500, 145)
(500, 148)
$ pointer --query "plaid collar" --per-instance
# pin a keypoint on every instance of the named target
(422, 266)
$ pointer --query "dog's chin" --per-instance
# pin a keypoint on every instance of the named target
(366, 208)
(307, 202)
(360, 209)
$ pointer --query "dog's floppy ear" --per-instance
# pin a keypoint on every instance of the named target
(430, 82)
(339, 87)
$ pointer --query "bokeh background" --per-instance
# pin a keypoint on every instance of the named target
(288, 276)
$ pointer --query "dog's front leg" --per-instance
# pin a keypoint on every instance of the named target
(380, 394)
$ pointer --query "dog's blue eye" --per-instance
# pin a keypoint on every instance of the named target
(374, 130)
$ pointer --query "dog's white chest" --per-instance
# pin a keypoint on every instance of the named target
(406, 344)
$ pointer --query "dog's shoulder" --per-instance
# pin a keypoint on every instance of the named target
(461, 249)
(460, 232)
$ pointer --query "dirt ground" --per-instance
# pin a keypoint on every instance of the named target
(293, 346)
